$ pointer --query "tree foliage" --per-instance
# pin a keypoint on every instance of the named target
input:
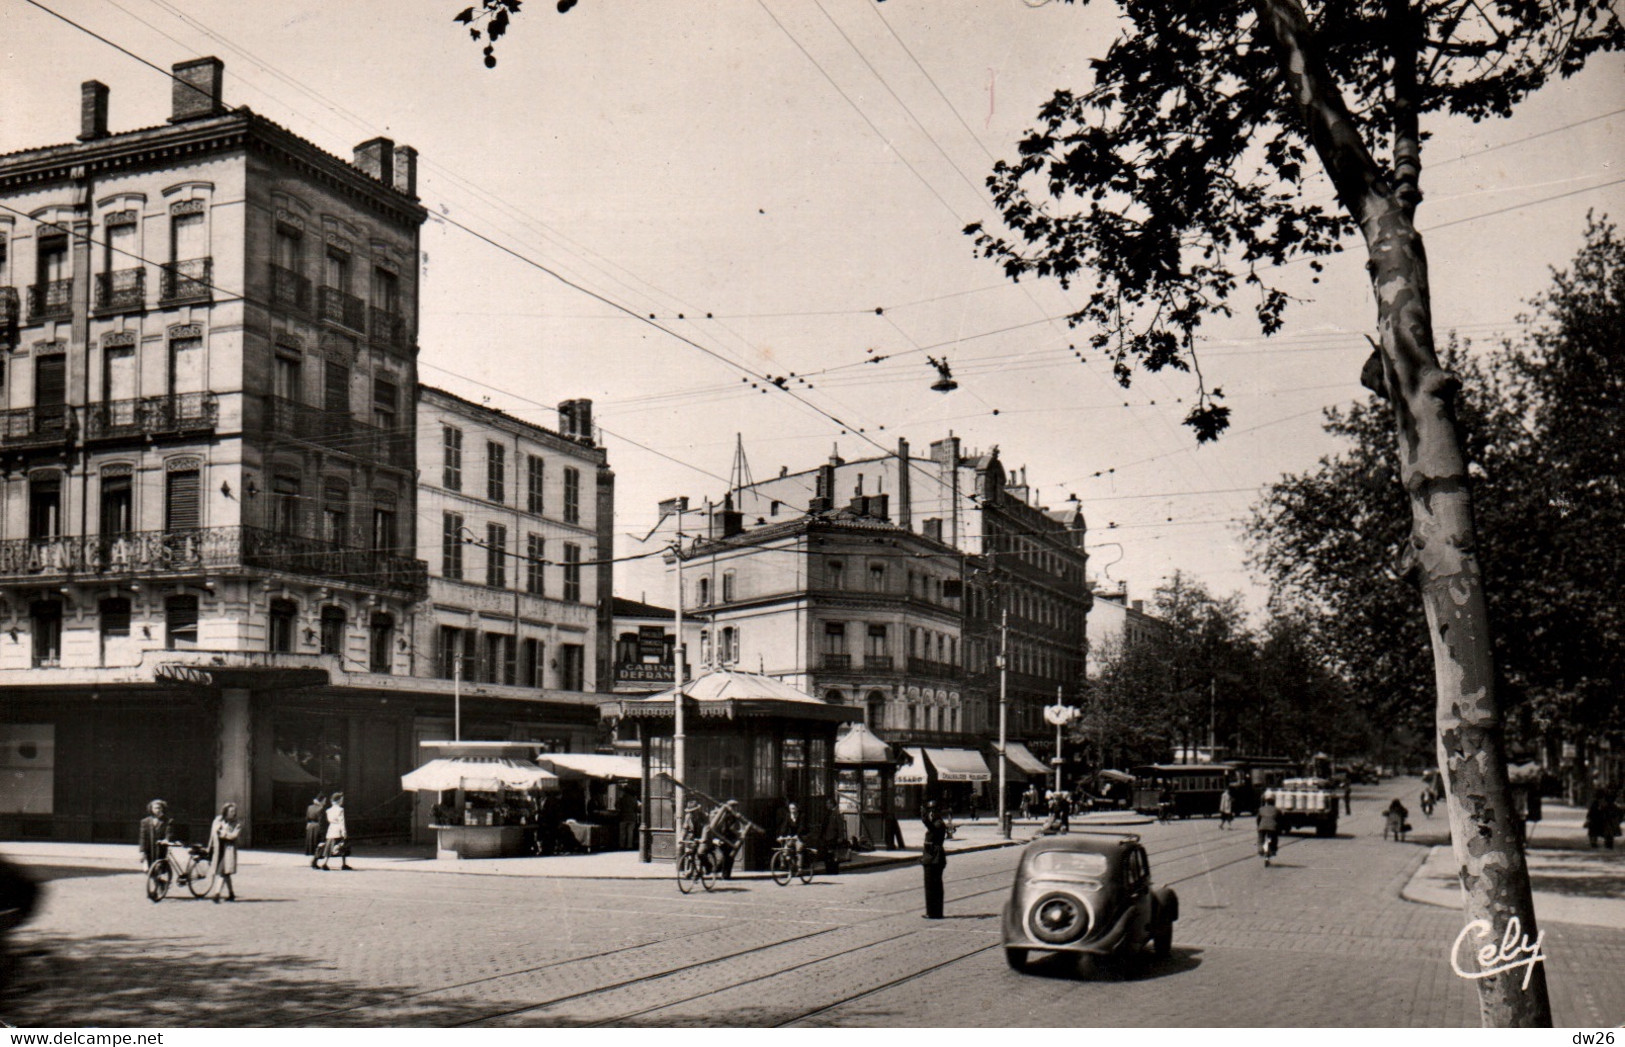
(1545, 418)
(1176, 180)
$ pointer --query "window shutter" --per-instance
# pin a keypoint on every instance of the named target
(182, 511)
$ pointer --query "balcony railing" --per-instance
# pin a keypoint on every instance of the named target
(152, 416)
(836, 662)
(212, 549)
(10, 311)
(289, 289)
(927, 667)
(188, 281)
(121, 290)
(388, 328)
(878, 663)
(50, 301)
(337, 431)
(343, 309)
(34, 426)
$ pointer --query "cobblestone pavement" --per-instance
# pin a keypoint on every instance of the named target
(1320, 939)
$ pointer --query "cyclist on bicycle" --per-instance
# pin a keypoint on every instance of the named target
(693, 829)
(792, 827)
(722, 832)
(155, 829)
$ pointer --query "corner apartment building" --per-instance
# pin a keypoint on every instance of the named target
(207, 579)
(520, 577)
(946, 554)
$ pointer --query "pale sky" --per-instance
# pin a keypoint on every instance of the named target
(788, 168)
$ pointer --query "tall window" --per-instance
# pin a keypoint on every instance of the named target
(728, 646)
(180, 623)
(185, 365)
(727, 586)
(877, 578)
(451, 443)
(875, 710)
(337, 271)
(456, 651)
(384, 397)
(835, 638)
(877, 642)
(386, 291)
(451, 546)
(288, 379)
(496, 556)
(45, 621)
(530, 663)
(702, 592)
(535, 475)
(535, 553)
(572, 573)
(332, 630)
(285, 504)
(52, 258)
(50, 392)
(114, 616)
(288, 249)
(499, 658)
(572, 496)
(284, 617)
(380, 641)
(571, 667)
(336, 388)
(496, 471)
(187, 240)
(336, 513)
(183, 510)
(837, 575)
(383, 524)
(45, 506)
(121, 254)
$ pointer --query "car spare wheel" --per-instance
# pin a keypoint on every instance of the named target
(1058, 917)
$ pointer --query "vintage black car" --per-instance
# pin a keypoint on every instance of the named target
(1088, 893)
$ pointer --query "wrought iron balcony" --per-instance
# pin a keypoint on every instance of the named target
(121, 290)
(289, 289)
(188, 281)
(927, 667)
(214, 550)
(10, 311)
(336, 431)
(35, 426)
(341, 308)
(878, 663)
(180, 414)
(388, 328)
(836, 662)
(50, 301)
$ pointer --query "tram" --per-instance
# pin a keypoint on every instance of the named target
(1195, 788)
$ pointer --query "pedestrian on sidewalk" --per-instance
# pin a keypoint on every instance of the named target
(934, 858)
(338, 835)
(1393, 821)
(1602, 820)
(1348, 797)
(315, 827)
(223, 835)
(154, 831)
(832, 838)
(1227, 809)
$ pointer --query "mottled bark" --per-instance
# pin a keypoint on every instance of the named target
(1484, 826)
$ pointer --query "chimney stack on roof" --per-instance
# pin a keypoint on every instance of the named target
(376, 156)
(197, 89)
(92, 110)
(406, 170)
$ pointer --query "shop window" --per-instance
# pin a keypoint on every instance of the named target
(180, 623)
(28, 753)
(284, 619)
(626, 649)
(314, 745)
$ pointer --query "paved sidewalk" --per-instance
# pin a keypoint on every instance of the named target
(970, 836)
(1572, 882)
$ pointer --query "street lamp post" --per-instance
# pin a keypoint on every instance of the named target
(1004, 650)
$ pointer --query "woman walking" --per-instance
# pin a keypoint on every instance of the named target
(1227, 809)
(315, 827)
(154, 831)
(338, 835)
(223, 835)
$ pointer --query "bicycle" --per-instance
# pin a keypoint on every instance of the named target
(695, 868)
(789, 860)
(1427, 803)
(197, 872)
(1268, 844)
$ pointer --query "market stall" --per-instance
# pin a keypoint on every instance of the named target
(599, 798)
(488, 797)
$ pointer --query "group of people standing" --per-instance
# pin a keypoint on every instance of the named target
(327, 836)
(154, 842)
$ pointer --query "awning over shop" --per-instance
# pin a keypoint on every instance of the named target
(479, 775)
(1022, 759)
(592, 765)
(913, 772)
(958, 765)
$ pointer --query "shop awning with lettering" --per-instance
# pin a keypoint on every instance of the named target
(912, 772)
(1022, 759)
(592, 765)
(958, 765)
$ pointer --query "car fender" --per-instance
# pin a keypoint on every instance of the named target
(1167, 903)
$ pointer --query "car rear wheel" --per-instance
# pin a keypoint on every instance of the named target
(1162, 944)
(1057, 918)
(1016, 958)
